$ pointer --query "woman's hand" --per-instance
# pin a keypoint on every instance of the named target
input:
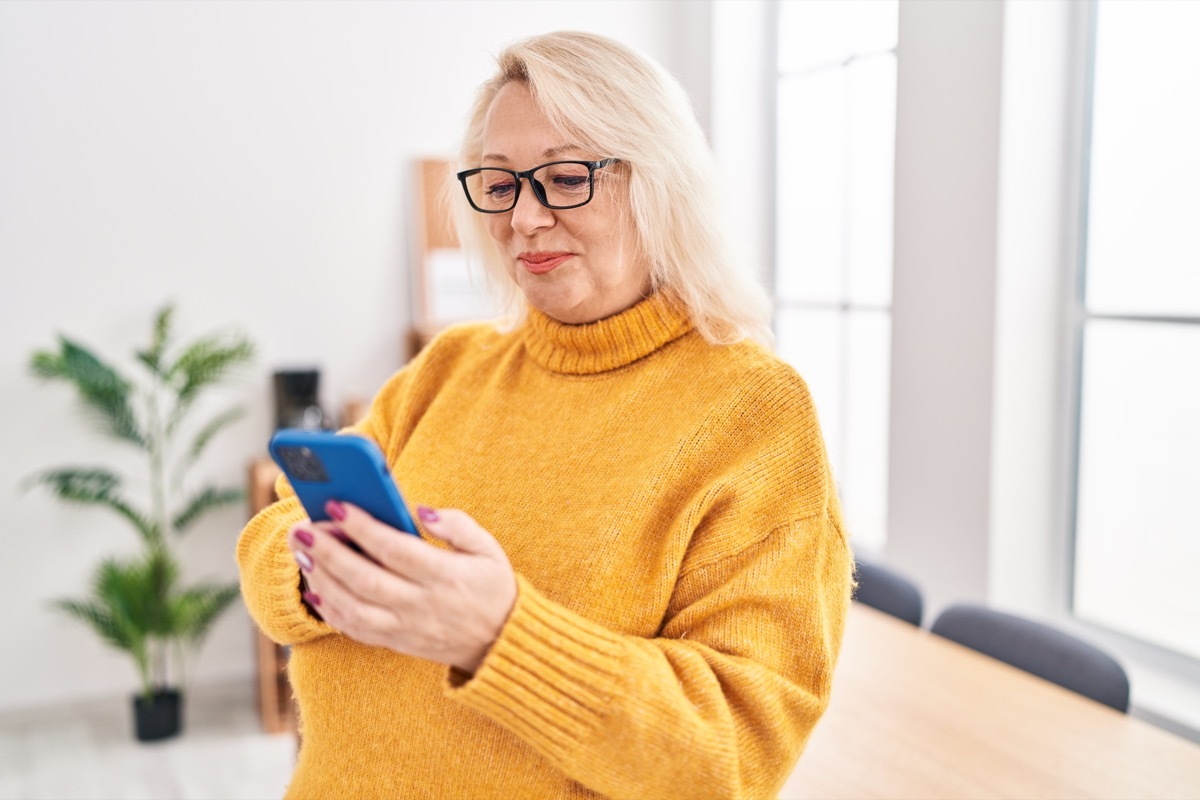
(402, 593)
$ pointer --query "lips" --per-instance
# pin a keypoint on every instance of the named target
(541, 263)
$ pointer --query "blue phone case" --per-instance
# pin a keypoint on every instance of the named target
(324, 466)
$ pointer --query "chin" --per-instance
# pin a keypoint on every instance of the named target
(568, 314)
(561, 305)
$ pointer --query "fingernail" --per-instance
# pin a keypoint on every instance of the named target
(312, 599)
(336, 510)
(304, 537)
(427, 514)
(305, 561)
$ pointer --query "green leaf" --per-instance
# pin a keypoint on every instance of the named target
(196, 609)
(101, 620)
(139, 591)
(101, 388)
(152, 358)
(129, 605)
(200, 504)
(206, 361)
(94, 486)
(211, 429)
(202, 364)
(112, 631)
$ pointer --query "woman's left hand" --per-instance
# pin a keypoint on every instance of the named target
(442, 605)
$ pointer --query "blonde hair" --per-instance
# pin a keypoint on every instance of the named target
(613, 101)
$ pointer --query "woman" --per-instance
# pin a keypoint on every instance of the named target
(638, 576)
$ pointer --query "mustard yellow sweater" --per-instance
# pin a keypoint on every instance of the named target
(683, 576)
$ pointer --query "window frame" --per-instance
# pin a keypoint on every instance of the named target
(844, 308)
(1143, 653)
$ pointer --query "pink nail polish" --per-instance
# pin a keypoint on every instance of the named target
(312, 599)
(305, 561)
(427, 514)
(304, 537)
(335, 510)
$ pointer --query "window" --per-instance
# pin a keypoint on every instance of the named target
(836, 113)
(1137, 521)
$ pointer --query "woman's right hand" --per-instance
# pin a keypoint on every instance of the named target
(401, 593)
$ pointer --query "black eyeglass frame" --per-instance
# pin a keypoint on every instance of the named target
(539, 191)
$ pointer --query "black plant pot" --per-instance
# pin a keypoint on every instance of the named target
(161, 718)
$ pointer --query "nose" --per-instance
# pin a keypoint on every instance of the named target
(530, 216)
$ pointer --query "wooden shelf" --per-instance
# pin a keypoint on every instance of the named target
(275, 705)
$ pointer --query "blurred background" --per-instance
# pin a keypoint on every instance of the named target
(974, 218)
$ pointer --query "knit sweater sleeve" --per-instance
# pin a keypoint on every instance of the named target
(719, 705)
(270, 578)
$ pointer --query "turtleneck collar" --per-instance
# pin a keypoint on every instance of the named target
(606, 344)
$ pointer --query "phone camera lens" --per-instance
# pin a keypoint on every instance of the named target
(303, 464)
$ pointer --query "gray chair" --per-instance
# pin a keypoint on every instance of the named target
(888, 591)
(1044, 651)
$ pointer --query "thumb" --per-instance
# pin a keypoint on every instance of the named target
(457, 529)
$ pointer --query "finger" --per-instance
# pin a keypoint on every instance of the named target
(301, 535)
(310, 599)
(302, 525)
(300, 538)
(362, 621)
(457, 529)
(333, 529)
(354, 602)
(402, 553)
(312, 542)
(360, 597)
(359, 574)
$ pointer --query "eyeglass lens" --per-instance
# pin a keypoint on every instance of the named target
(559, 185)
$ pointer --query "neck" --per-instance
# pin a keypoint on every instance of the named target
(608, 343)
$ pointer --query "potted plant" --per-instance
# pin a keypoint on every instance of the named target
(138, 604)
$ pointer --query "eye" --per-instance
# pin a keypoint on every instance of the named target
(500, 189)
(571, 181)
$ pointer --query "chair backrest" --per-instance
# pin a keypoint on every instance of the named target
(1044, 651)
(888, 591)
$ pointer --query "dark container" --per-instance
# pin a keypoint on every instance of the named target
(161, 718)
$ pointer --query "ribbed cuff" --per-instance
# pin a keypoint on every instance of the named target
(550, 676)
(276, 576)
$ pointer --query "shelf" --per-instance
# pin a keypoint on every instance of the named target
(275, 704)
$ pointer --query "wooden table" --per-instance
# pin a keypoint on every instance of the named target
(914, 715)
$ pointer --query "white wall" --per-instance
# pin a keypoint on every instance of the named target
(249, 161)
(943, 306)
(1037, 231)
(743, 79)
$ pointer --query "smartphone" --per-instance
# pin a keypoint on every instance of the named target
(324, 466)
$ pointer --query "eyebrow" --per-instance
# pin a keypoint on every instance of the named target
(548, 153)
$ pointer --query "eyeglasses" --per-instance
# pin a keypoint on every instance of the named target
(557, 185)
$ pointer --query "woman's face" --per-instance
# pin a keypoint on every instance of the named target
(575, 265)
